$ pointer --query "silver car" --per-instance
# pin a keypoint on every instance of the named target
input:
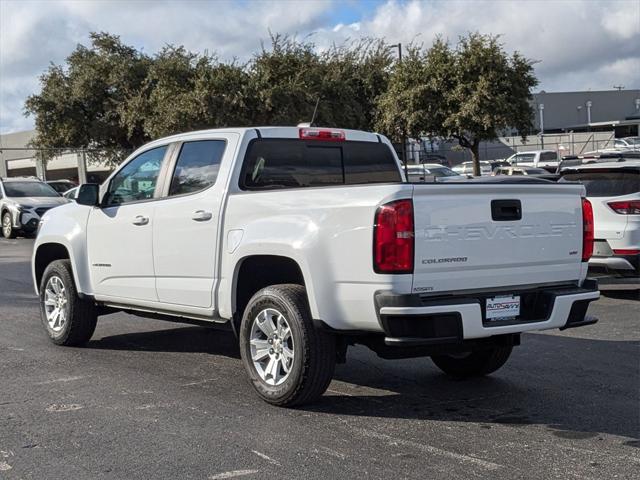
(22, 202)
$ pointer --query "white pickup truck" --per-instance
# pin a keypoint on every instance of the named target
(307, 240)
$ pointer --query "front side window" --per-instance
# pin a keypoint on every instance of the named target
(137, 180)
(197, 166)
(525, 158)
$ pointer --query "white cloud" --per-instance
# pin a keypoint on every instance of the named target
(580, 44)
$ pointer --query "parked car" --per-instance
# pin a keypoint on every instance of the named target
(62, 186)
(23, 200)
(627, 143)
(466, 168)
(304, 241)
(429, 172)
(547, 159)
(613, 188)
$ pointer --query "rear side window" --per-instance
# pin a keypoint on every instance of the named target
(549, 156)
(197, 166)
(606, 183)
(291, 163)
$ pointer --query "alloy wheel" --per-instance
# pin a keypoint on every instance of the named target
(55, 303)
(271, 346)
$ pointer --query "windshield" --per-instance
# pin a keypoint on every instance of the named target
(29, 189)
(606, 183)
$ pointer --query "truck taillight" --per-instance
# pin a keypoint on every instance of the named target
(324, 134)
(629, 207)
(393, 238)
(587, 230)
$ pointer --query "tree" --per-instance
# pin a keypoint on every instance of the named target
(492, 93)
(185, 91)
(469, 93)
(289, 78)
(88, 103)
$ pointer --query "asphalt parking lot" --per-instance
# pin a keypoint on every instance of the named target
(151, 399)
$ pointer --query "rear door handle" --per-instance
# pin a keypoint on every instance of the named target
(140, 220)
(201, 216)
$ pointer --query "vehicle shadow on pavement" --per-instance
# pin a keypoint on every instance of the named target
(631, 294)
(562, 382)
(181, 339)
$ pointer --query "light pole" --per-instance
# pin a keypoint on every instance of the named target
(589, 105)
(541, 108)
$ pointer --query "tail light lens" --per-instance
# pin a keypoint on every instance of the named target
(629, 207)
(323, 134)
(393, 238)
(626, 251)
(587, 230)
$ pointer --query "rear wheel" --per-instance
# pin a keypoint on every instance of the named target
(473, 364)
(288, 360)
(7, 226)
(68, 319)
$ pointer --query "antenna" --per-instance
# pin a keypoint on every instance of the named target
(314, 112)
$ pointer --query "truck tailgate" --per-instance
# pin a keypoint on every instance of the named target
(477, 236)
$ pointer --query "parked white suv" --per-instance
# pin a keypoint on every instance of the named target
(306, 240)
(547, 159)
(613, 188)
(23, 200)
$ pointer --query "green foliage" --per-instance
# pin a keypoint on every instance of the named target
(88, 102)
(111, 98)
(469, 93)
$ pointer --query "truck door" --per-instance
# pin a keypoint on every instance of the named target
(186, 227)
(119, 233)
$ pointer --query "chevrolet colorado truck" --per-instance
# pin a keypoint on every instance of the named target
(305, 241)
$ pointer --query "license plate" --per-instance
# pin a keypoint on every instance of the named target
(503, 307)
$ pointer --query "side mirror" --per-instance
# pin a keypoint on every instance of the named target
(88, 194)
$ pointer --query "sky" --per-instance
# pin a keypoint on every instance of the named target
(578, 44)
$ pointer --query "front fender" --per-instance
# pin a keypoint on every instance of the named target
(67, 226)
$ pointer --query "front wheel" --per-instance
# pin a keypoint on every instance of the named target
(7, 226)
(68, 319)
(289, 361)
(473, 364)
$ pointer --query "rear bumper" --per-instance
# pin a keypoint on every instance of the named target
(623, 263)
(415, 320)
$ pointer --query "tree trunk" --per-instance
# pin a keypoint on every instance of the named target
(475, 156)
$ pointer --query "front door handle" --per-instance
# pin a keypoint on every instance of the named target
(140, 220)
(201, 216)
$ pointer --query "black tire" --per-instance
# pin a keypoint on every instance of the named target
(81, 315)
(314, 350)
(7, 226)
(475, 364)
